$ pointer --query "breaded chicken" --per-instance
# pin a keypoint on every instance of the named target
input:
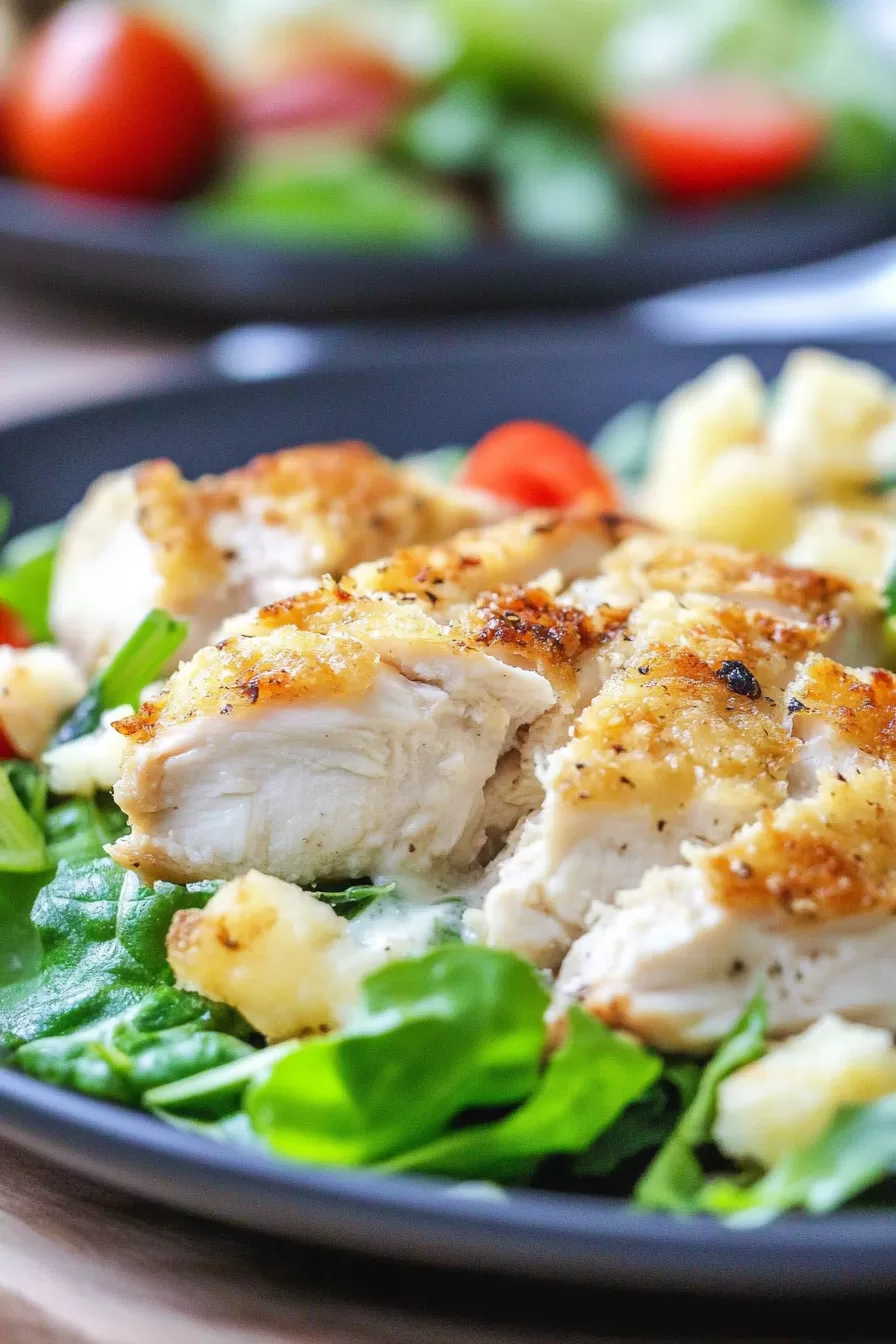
(206, 549)
(687, 740)
(848, 616)
(358, 752)
(515, 552)
(37, 686)
(801, 901)
(844, 720)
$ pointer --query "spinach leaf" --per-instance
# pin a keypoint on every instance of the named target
(103, 940)
(26, 573)
(139, 661)
(674, 1179)
(856, 1151)
(79, 829)
(20, 949)
(29, 782)
(211, 1097)
(586, 1085)
(459, 1028)
(22, 845)
(646, 1124)
(5, 517)
(168, 1036)
(354, 900)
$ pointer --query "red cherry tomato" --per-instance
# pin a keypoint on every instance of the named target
(332, 86)
(537, 466)
(108, 102)
(716, 136)
(12, 630)
(3, 154)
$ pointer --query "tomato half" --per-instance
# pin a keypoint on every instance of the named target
(716, 136)
(332, 86)
(109, 102)
(12, 629)
(537, 466)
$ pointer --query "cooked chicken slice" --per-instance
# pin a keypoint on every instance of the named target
(284, 959)
(786, 1100)
(686, 741)
(844, 718)
(516, 552)
(801, 901)
(37, 686)
(206, 549)
(646, 564)
(359, 752)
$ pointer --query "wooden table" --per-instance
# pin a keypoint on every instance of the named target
(82, 1265)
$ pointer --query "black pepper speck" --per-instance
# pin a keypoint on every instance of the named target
(739, 679)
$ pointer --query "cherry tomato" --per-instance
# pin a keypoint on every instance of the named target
(716, 136)
(12, 630)
(332, 86)
(537, 466)
(7, 750)
(108, 102)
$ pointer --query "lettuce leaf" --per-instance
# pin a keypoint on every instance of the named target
(674, 1180)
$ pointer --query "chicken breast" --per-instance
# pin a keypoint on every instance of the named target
(206, 549)
(801, 901)
(517, 552)
(645, 564)
(844, 720)
(37, 686)
(359, 752)
(687, 740)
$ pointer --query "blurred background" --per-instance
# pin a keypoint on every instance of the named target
(196, 162)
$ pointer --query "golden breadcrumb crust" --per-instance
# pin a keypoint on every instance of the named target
(862, 706)
(354, 503)
(667, 725)
(658, 563)
(820, 858)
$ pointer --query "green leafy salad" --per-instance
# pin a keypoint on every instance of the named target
(451, 1062)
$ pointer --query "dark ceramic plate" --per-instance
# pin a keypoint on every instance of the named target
(423, 388)
(150, 257)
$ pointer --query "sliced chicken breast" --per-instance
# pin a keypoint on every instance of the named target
(359, 752)
(206, 549)
(801, 901)
(687, 740)
(844, 719)
(646, 564)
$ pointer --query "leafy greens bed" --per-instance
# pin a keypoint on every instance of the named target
(446, 1066)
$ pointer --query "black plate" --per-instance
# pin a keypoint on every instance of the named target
(426, 388)
(150, 257)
